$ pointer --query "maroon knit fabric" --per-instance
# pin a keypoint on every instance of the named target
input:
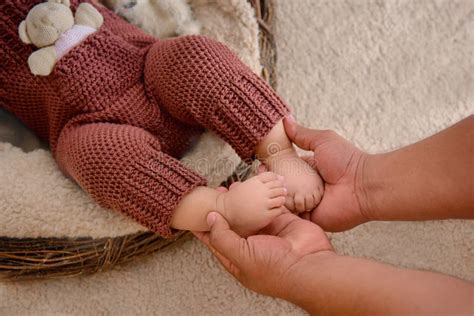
(122, 107)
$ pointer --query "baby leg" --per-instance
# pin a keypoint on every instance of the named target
(200, 81)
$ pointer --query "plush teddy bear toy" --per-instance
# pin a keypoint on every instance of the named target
(52, 28)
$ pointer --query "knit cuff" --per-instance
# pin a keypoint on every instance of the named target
(155, 187)
(250, 110)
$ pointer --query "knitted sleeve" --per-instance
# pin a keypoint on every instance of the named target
(123, 168)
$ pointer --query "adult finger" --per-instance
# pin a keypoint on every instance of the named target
(303, 137)
(310, 139)
(204, 238)
(226, 241)
(279, 224)
(310, 161)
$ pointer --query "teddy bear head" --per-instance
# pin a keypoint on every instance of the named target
(46, 22)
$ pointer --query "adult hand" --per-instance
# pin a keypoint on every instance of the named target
(295, 262)
(340, 164)
(266, 263)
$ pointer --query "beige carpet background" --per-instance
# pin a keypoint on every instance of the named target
(383, 74)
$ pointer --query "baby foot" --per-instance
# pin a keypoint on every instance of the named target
(251, 205)
(305, 186)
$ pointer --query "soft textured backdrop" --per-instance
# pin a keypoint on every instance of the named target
(384, 74)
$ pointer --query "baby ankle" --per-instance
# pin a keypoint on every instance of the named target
(279, 154)
(275, 141)
(220, 205)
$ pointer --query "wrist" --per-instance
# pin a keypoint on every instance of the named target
(306, 282)
(370, 184)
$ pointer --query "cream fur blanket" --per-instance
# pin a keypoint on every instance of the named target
(383, 74)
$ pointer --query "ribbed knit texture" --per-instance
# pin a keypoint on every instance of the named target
(120, 109)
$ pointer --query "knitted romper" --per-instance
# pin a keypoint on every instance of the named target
(122, 107)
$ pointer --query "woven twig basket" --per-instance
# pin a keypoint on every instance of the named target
(36, 258)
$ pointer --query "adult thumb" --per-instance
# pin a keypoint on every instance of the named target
(301, 136)
(223, 239)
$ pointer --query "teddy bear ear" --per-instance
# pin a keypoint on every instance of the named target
(23, 34)
(65, 2)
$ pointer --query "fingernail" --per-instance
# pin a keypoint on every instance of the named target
(211, 219)
(281, 178)
(291, 118)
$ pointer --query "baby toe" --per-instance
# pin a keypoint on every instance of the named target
(278, 192)
(274, 212)
(317, 197)
(299, 203)
(274, 184)
(268, 176)
(309, 202)
(276, 202)
(290, 203)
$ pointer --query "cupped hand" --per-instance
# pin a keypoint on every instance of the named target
(341, 165)
(265, 262)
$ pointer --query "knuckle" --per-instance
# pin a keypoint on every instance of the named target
(213, 238)
(329, 134)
